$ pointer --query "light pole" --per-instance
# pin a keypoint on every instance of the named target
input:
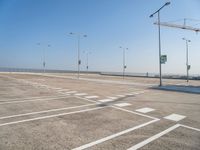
(159, 38)
(87, 60)
(124, 61)
(187, 65)
(44, 62)
(78, 35)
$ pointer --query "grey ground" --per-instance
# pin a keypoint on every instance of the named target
(38, 113)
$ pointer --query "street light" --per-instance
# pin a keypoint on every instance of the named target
(158, 12)
(187, 65)
(87, 60)
(44, 62)
(124, 63)
(78, 35)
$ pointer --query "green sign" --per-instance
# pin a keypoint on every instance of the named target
(163, 59)
(188, 67)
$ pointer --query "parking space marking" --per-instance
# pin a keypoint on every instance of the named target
(139, 92)
(175, 117)
(45, 111)
(63, 90)
(54, 88)
(111, 97)
(81, 94)
(145, 142)
(88, 100)
(120, 95)
(29, 98)
(122, 104)
(51, 116)
(71, 92)
(136, 93)
(129, 94)
(63, 93)
(114, 135)
(42, 99)
(188, 127)
(105, 100)
(92, 96)
(133, 112)
(145, 110)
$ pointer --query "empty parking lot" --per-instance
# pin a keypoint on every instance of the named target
(58, 111)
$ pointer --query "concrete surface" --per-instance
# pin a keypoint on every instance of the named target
(45, 111)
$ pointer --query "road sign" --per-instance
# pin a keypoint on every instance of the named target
(79, 62)
(163, 59)
(188, 67)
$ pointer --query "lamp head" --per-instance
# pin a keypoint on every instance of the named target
(167, 3)
(151, 16)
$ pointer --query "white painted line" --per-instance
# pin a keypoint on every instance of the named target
(129, 94)
(34, 83)
(111, 97)
(105, 100)
(88, 100)
(50, 87)
(145, 110)
(175, 117)
(43, 85)
(57, 88)
(113, 136)
(122, 104)
(122, 109)
(28, 98)
(63, 93)
(141, 92)
(188, 127)
(44, 111)
(63, 90)
(24, 101)
(120, 95)
(136, 93)
(91, 96)
(51, 116)
(145, 142)
(81, 94)
(71, 92)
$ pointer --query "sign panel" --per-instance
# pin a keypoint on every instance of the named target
(188, 67)
(163, 59)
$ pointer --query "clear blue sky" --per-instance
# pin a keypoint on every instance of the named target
(108, 24)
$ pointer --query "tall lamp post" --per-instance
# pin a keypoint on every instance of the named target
(78, 35)
(124, 60)
(44, 57)
(87, 60)
(187, 65)
(158, 12)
